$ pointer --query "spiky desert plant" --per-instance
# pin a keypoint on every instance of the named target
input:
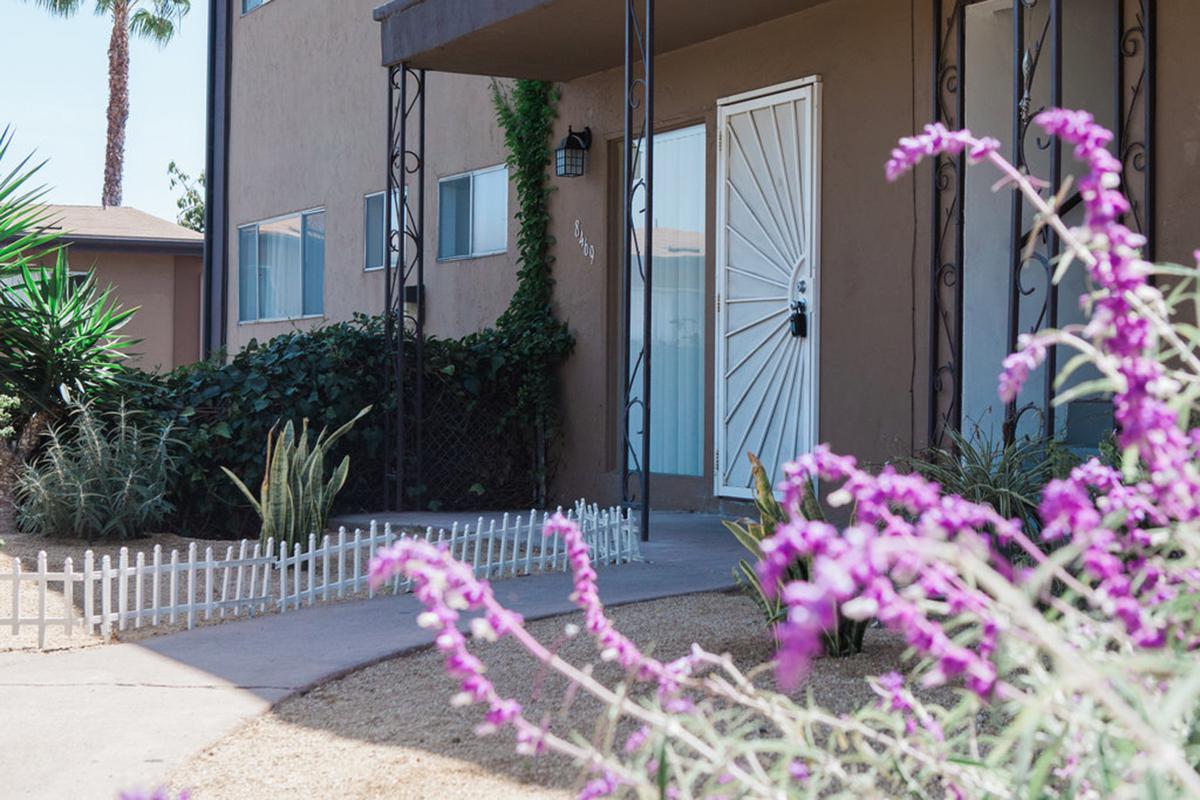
(1008, 477)
(845, 637)
(295, 497)
(101, 476)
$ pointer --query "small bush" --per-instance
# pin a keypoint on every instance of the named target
(478, 448)
(102, 475)
(844, 637)
(1009, 478)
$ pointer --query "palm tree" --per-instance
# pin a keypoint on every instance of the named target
(156, 20)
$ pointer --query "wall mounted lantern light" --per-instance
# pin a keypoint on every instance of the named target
(571, 153)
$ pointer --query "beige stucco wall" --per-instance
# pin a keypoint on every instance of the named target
(867, 281)
(312, 132)
(1178, 131)
(313, 135)
(166, 290)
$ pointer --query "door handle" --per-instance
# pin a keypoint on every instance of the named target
(799, 319)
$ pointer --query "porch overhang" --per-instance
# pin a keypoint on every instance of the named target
(550, 39)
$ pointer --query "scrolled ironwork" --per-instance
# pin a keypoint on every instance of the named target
(945, 300)
(638, 180)
(404, 266)
(1133, 120)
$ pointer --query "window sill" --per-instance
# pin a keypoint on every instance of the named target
(279, 319)
(472, 256)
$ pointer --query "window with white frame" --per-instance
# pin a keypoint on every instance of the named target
(375, 245)
(473, 214)
(250, 5)
(281, 267)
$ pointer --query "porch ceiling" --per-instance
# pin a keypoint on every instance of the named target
(551, 39)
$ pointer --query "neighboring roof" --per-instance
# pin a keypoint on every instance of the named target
(117, 227)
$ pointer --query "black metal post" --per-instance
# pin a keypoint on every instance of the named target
(638, 148)
(1056, 101)
(1150, 34)
(405, 259)
(1016, 205)
(948, 185)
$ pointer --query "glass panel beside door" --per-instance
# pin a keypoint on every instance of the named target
(677, 371)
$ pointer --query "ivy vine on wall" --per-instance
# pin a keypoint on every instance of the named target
(539, 341)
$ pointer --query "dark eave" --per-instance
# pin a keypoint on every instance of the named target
(115, 244)
(550, 39)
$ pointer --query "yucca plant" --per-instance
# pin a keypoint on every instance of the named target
(25, 231)
(846, 637)
(295, 497)
(101, 476)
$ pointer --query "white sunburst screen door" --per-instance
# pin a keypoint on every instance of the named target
(768, 264)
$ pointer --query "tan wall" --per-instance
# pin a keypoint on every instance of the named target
(1178, 146)
(312, 132)
(166, 290)
(187, 309)
(866, 281)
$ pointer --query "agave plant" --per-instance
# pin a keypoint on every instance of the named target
(295, 497)
(846, 637)
(56, 332)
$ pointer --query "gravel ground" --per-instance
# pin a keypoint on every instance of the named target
(388, 730)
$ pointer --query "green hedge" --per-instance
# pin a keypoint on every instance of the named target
(477, 450)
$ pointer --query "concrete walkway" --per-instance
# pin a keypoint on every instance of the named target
(87, 723)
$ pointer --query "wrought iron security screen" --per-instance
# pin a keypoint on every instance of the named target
(997, 64)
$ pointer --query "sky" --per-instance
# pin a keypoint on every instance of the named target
(54, 93)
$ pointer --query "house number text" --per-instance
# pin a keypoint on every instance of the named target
(589, 249)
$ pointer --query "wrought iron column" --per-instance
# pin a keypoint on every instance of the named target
(637, 251)
(948, 177)
(405, 220)
(1036, 249)
(1135, 94)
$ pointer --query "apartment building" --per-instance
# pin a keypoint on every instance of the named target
(797, 297)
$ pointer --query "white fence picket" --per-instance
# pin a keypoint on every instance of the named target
(334, 568)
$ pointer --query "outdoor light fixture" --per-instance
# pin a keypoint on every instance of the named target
(569, 157)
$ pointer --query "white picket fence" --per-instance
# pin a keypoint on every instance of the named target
(173, 589)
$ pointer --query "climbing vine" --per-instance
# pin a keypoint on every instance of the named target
(539, 342)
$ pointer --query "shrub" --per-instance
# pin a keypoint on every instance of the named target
(101, 476)
(295, 498)
(1009, 478)
(845, 636)
(1092, 693)
(478, 449)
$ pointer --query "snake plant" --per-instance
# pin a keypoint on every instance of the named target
(295, 498)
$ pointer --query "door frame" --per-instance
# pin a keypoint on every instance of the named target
(726, 107)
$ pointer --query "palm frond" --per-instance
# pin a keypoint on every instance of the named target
(159, 23)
